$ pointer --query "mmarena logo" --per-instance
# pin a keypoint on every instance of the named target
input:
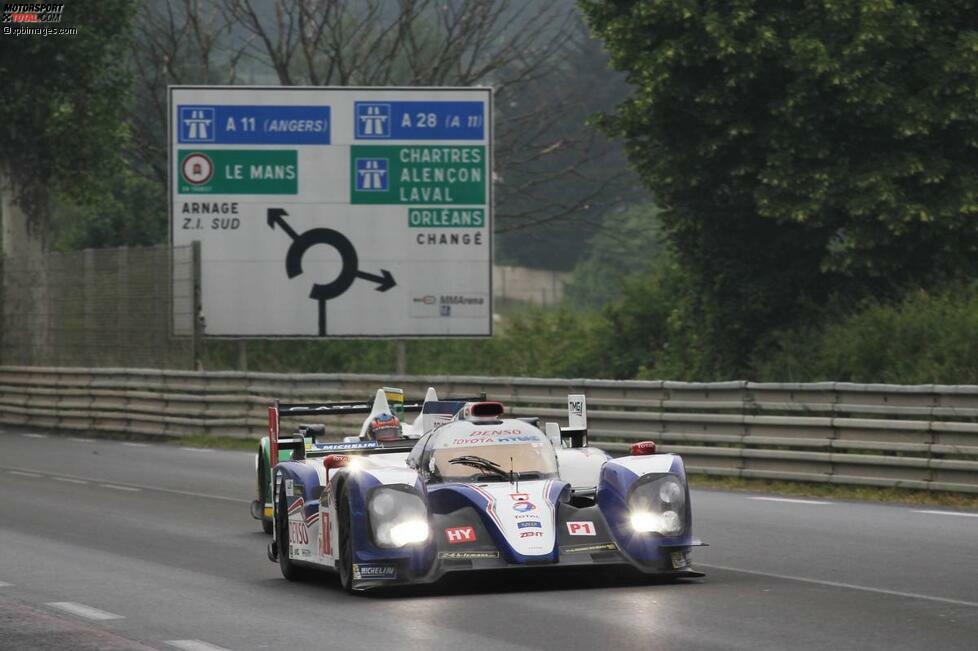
(33, 12)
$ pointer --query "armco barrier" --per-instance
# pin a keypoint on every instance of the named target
(922, 436)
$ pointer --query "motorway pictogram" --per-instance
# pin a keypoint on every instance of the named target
(349, 271)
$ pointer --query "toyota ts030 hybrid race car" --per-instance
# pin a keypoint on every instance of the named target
(477, 491)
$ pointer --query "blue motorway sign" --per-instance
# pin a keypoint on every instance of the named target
(254, 125)
(419, 120)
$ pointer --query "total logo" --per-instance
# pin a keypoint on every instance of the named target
(522, 503)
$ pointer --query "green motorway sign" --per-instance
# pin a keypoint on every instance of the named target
(418, 174)
(237, 171)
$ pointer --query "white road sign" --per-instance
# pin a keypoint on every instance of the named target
(337, 212)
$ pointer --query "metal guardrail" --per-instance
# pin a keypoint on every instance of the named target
(923, 436)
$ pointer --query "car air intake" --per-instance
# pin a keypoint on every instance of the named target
(482, 412)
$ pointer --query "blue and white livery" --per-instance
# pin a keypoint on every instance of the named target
(467, 489)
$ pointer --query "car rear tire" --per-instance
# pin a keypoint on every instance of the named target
(290, 569)
(345, 561)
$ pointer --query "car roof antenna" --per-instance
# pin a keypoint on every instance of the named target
(513, 475)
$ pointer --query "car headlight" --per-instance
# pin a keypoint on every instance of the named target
(398, 517)
(658, 506)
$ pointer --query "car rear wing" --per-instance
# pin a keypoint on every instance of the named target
(365, 407)
(575, 434)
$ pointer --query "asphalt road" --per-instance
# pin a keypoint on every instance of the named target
(108, 545)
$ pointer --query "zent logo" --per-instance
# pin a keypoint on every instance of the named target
(581, 528)
(459, 535)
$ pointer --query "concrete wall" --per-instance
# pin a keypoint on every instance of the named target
(536, 286)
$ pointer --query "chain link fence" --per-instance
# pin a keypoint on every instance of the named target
(101, 307)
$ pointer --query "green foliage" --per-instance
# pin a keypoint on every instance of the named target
(654, 330)
(64, 100)
(626, 243)
(536, 342)
(800, 149)
(129, 214)
(922, 338)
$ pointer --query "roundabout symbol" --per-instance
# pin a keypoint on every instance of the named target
(349, 271)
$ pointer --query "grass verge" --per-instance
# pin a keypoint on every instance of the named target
(838, 492)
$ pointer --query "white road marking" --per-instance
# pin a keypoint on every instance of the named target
(198, 449)
(788, 500)
(135, 445)
(158, 489)
(194, 645)
(77, 439)
(69, 480)
(83, 611)
(848, 586)
(121, 488)
(3, 584)
(958, 513)
(34, 436)
(21, 473)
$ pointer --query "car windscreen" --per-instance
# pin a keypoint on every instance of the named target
(532, 460)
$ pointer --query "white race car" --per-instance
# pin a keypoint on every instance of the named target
(475, 491)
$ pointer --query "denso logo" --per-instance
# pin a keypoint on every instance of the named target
(459, 535)
(495, 432)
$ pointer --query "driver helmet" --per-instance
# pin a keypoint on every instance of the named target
(384, 427)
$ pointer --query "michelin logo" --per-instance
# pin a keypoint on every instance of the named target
(374, 572)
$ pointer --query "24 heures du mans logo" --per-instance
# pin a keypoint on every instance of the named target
(33, 12)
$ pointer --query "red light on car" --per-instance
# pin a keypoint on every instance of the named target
(336, 461)
(642, 448)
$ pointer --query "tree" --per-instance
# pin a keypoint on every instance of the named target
(800, 149)
(61, 119)
(61, 134)
(628, 243)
